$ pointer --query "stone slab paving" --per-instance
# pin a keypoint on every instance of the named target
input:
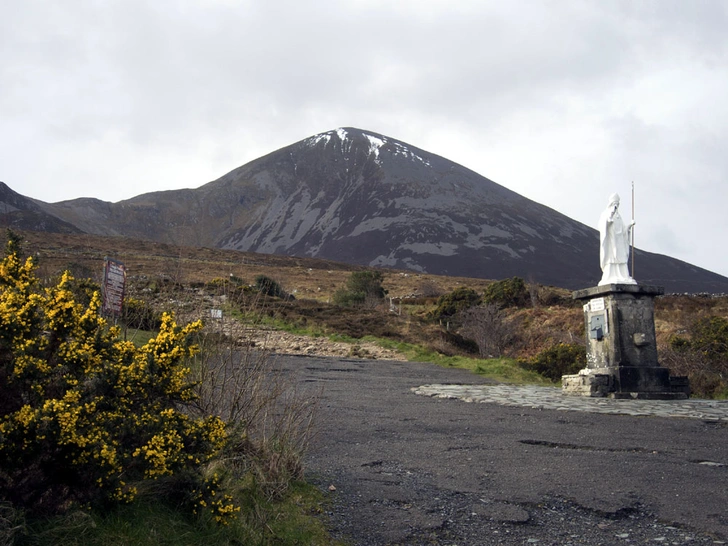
(552, 398)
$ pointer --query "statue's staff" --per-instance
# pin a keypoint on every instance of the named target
(632, 229)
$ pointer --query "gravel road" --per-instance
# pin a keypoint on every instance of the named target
(404, 469)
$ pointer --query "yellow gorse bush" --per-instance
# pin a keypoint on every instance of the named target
(84, 415)
(217, 504)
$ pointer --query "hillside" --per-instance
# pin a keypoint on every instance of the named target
(21, 213)
(193, 280)
(307, 278)
(363, 198)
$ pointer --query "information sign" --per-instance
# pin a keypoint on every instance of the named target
(114, 286)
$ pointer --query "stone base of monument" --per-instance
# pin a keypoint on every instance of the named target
(635, 383)
(621, 347)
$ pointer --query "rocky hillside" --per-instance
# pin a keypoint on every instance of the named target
(364, 198)
(20, 212)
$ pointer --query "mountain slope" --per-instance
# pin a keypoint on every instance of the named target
(20, 212)
(364, 198)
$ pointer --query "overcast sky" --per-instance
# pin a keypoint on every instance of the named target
(562, 101)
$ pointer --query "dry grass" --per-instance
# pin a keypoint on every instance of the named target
(304, 277)
(313, 282)
(543, 327)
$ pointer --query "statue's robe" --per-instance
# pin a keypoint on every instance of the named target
(614, 248)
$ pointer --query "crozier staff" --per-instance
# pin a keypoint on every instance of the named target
(614, 238)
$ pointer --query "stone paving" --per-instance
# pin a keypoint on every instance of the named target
(553, 398)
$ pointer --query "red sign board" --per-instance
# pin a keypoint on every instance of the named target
(114, 285)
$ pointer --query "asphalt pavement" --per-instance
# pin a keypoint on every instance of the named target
(407, 458)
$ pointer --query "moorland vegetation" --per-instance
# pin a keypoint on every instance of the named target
(176, 437)
(204, 448)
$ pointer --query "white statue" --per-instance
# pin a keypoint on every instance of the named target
(614, 245)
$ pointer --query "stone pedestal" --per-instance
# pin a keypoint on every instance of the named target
(621, 346)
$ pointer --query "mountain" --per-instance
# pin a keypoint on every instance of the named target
(20, 212)
(360, 197)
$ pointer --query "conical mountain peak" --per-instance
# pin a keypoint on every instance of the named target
(357, 196)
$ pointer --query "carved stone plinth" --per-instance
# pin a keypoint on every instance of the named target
(621, 346)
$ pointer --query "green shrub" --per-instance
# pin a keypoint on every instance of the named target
(448, 305)
(459, 342)
(507, 293)
(362, 288)
(710, 337)
(141, 315)
(348, 299)
(561, 359)
(232, 287)
(84, 416)
(269, 287)
(679, 343)
(703, 357)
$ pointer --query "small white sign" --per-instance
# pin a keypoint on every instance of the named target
(597, 304)
(216, 313)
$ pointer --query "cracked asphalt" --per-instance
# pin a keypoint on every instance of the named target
(403, 468)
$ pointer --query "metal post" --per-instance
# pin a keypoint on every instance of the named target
(632, 229)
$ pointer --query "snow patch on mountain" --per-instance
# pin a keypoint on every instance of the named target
(400, 149)
(318, 138)
(374, 144)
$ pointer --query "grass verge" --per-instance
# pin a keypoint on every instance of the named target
(504, 370)
(148, 522)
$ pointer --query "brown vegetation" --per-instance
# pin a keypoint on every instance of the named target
(303, 277)
(547, 317)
